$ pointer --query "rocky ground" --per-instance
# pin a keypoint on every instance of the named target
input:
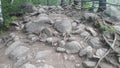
(53, 37)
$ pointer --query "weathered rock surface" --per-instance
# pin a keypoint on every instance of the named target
(46, 66)
(113, 13)
(27, 7)
(95, 42)
(18, 51)
(63, 26)
(72, 47)
(92, 31)
(22, 61)
(41, 54)
(28, 65)
(90, 17)
(100, 52)
(60, 49)
(38, 25)
(13, 46)
(87, 51)
(117, 28)
(89, 64)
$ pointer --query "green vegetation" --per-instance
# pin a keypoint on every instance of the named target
(103, 27)
(8, 8)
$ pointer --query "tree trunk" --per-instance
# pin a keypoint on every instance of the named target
(102, 5)
(1, 17)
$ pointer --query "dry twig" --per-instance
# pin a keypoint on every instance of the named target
(111, 47)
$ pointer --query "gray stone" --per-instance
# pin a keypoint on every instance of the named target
(113, 13)
(95, 42)
(106, 65)
(18, 51)
(5, 66)
(89, 64)
(85, 34)
(22, 61)
(38, 25)
(86, 51)
(100, 52)
(47, 31)
(117, 28)
(90, 16)
(77, 65)
(60, 49)
(49, 40)
(46, 66)
(41, 54)
(74, 24)
(119, 59)
(72, 58)
(41, 10)
(28, 65)
(63, 26)
(79, 29)
(72, 47)
(13, 46)
(61, 43)
(27, 7)
(33, 37)
(92, 31)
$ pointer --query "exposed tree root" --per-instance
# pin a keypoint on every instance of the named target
(111, 47)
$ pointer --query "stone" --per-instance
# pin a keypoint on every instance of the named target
(13, 46)
(41, 54)
(100, 52)
(22, 61)
(41, 10)
(27, 7)
(72, 47)
(47, 31)
(38, 25)
(46, 66)
(61, 43)
(5, 66)
(79, 29)
(117, 28)
(63, 26)
(18, 52)
(60, 49)
(89, 64)
(77, 65)
(85, 34)
(28, 65)
(49, 40)
(86, 51)
(91, 17)
(113, 13)
(72, 58)
(95, 42)
(92, 31)
(55, 33)
(106, 65)
(33, 37)
(119, 59)
(74, 24)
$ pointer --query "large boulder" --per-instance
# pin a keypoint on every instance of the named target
(113, 13)
(38, 25)
(27, 7)
(18, 52)
(63, 26)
